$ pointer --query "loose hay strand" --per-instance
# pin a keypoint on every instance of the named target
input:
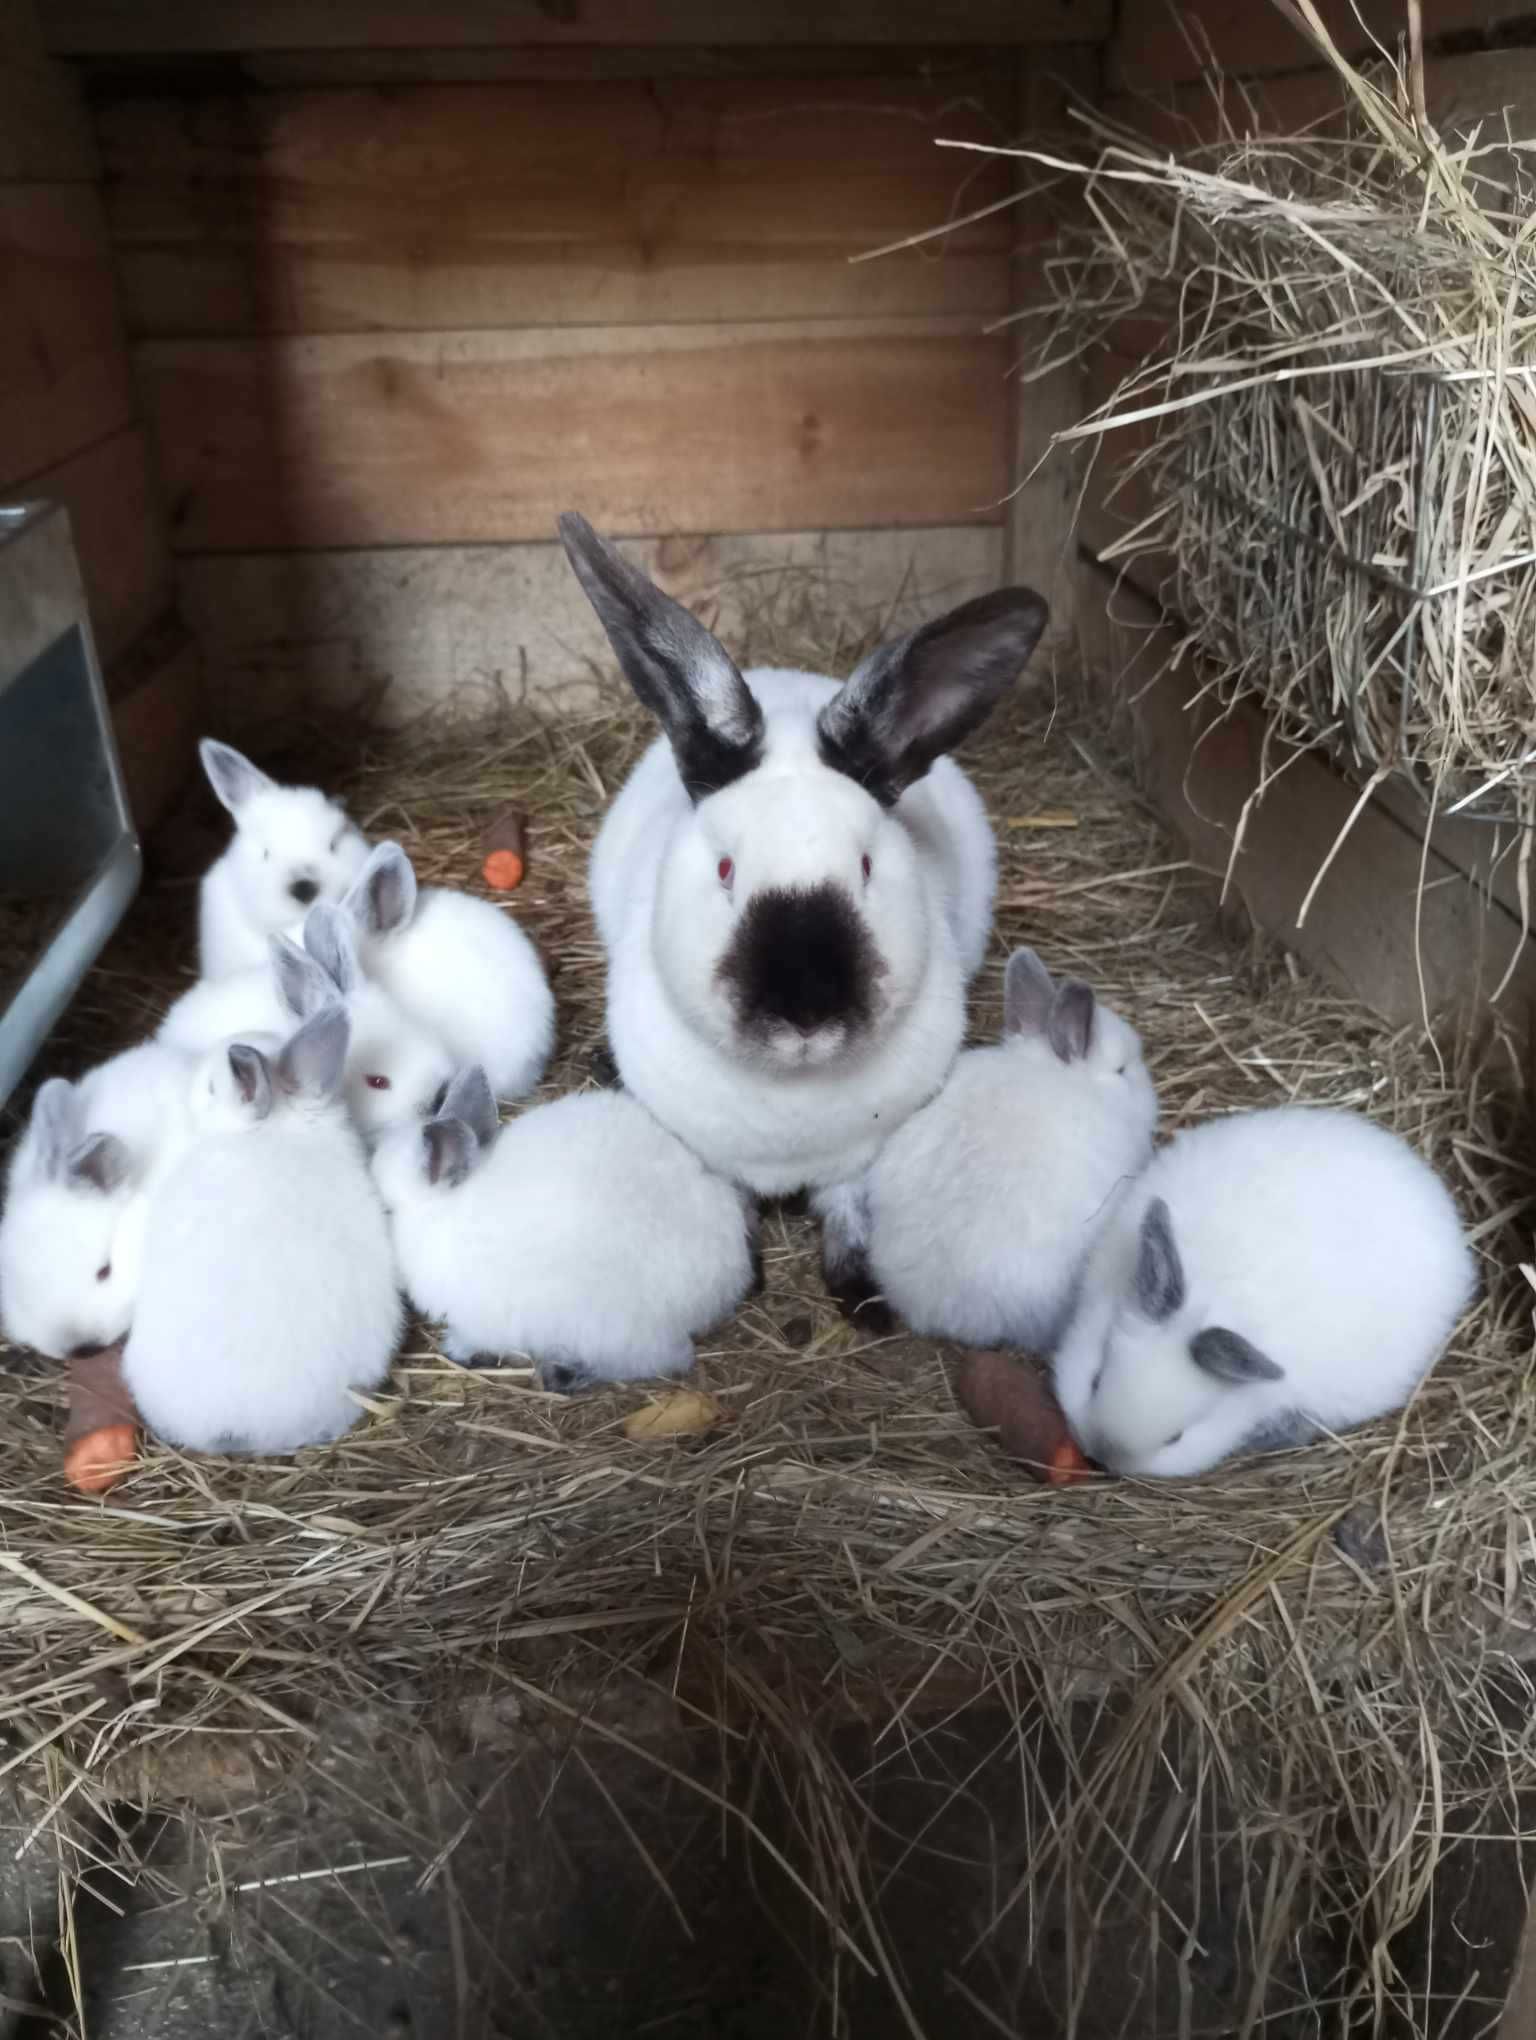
(847, 1547)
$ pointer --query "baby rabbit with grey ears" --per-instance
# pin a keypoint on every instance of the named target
(583, 1234)
(984, 1205)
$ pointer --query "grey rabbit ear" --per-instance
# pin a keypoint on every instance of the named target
(1028, 994)
(470, 1099)
(332, 945)
(54, 1126)
(913, 700)
(679, 670)
(1159, 1271)
(231, 774)
(253, 1077)
(450, 1148)
(382, 897)
(311, 1063)
(1071, 1023)
(102, 1162)
(302, 984)
(1230, 1357)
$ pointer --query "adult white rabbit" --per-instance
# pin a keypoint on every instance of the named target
(1270, 1276)
(583, 1234)
(984, 1205)
(77, 1181)
(462, 966)
(291, 847)
(268, 1289)
(794, 886)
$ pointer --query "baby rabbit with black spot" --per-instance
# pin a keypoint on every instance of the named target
(793, 887)
(291, 847)
(460, 966)
(268, 1288)
(1271, 1276)
(984, 1205)
(75, 1194)
(582, 1234)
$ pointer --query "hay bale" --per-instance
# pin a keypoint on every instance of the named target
(1340, 419)
(848, 1544)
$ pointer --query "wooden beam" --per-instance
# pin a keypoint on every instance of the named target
(157, 718)
(64, 375)
(618, 201)
(118, 533)
(465, 437)
(84, 27)
(1403, 947)
(464, 628)
(44, 132)
(1156, 44)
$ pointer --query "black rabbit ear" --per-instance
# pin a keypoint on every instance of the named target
(450, 1148)
(1230, 1357)
(679, 670)
(1159, 1271)
(253, 1077)
(912, 701)
(1071, 1023)
(101, 1163)
(382, 897)
(54, 1127)
(312, 1061)
(470, 1098)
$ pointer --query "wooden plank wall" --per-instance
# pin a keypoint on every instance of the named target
(69, 420)
(389, 316)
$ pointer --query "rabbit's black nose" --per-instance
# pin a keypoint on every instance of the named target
(86, 1352)
(305, 891)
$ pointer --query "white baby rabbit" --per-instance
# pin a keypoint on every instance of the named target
(75, 1193)
(1269, 1276)
(983, 1206)
(268, 1287)
(462, 966)
(793, 887)
(396, 1067)
(583, 1235)
(291, 847)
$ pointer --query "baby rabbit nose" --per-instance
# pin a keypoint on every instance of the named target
(305, 891)
(86, 1352)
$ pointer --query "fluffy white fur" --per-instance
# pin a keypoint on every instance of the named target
(291, 847)
(76, 1192)
(397, 1067)
(984, 1205)
(268, 1287)
(583, 1234)
(808, 1113)
(1322, 1240)
(462, 966)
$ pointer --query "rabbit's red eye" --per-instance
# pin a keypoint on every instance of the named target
(866, 865)
(103, 1271)
(376, 1083)
(726, 869)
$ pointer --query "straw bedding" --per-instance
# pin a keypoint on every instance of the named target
(1306, 1640)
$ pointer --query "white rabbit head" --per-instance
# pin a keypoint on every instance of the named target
(1164, 1370)
(414, 1162)
(62, 1288)
(396, 1068)
(246, 1082)
(291, 846)
(792, 921)
(1090, 1040)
